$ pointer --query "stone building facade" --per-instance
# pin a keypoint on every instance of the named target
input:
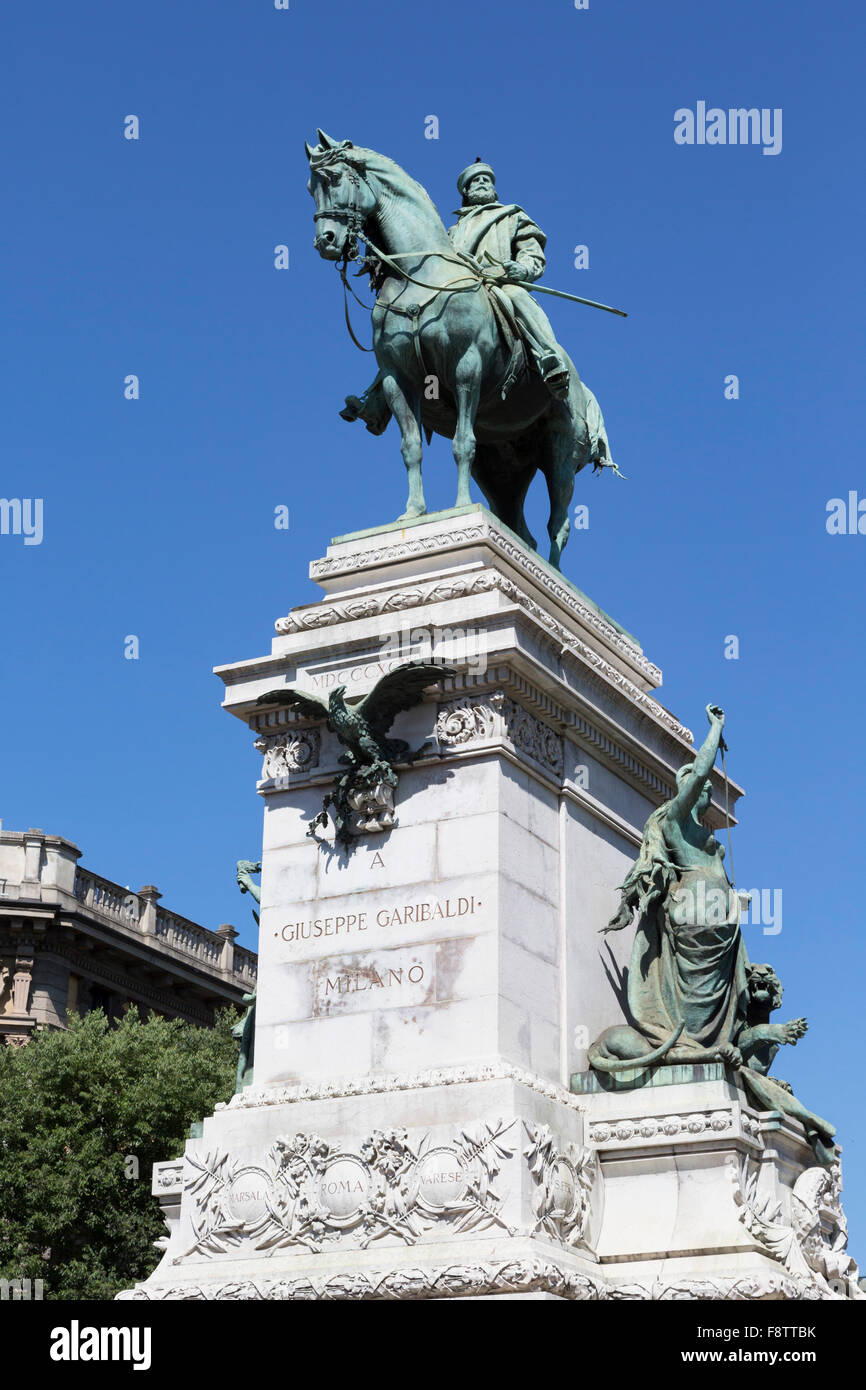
(72, 940)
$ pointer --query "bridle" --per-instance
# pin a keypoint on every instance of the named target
(351, 214)
(472, 279)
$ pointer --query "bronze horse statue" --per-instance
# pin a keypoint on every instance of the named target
(446, 366)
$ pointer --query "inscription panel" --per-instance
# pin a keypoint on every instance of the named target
(376, 920)
(440, 1180)
(344, 1187)
(404, 981)
(360, 678)
(382, 980)
(248, 1194)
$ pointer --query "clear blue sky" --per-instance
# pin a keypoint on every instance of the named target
(156, 258)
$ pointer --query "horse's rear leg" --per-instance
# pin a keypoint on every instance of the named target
(467, 392)
(406, 409)
(557, 465)
(505, 483)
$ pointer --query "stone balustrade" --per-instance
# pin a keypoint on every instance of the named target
(35, 867)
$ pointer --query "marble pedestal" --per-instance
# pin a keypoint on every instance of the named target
(425, 999)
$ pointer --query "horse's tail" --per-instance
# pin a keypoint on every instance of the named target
(599, 1062)
(598, 453)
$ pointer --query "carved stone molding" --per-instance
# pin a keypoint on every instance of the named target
(610, 751)
(522, 1276)
(528, 562)
(661, 1127)
(310, 1193)
(531, 736)
(329, 614)
(289, 753)
(462, 727)
(564, 1180)
(393, 601)
(812, 1241)
(168, 1176)
(743, 1289)
(462, 723)
(391, 550)
(369, 1085)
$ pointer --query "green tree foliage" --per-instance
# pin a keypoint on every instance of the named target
(84, 1115)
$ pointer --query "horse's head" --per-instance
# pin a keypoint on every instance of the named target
(343, 198)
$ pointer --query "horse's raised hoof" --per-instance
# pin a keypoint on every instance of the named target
(558, 386)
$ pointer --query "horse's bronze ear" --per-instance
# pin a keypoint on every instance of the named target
(325, 140)
(308, 150)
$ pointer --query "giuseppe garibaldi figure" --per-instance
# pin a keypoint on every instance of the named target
(514, 244)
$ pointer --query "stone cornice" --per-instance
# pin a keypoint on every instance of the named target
(380, 1084)
(94, 969)
(409, 594)
(426, 537)
(277, 727)
(144, 950)
(566, 647)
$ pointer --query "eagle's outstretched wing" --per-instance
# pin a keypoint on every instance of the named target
(398, 690)
(310, 705)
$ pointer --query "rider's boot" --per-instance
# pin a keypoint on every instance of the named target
(372, 408)
(554, 374)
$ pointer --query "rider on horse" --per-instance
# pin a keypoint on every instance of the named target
(486, 227)
(508, 248)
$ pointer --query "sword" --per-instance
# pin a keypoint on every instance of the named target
(557, 294)
(560, 294)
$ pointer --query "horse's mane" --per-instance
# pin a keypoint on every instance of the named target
(390, 175)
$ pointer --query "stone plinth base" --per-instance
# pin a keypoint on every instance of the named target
(700, 1186)
(432, 1186)
(492, 1184)
(426, 992)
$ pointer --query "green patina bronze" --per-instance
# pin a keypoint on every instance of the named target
(693, 994)
(363, 798)
(245, 1029)
(463, 349)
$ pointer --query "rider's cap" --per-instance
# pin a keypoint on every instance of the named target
(479, 167)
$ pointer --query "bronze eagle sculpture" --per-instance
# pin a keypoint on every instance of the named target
(367, 787)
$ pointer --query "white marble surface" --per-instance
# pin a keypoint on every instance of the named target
(440, 983)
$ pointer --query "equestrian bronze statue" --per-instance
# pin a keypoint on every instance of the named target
(463, 349)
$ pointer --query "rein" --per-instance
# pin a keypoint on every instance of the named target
(471, 280)
(475, 280)
(414, 310)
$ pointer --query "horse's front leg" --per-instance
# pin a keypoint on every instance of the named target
(467, 392)
(406, 409)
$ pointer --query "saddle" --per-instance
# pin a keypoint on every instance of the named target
(512, 338)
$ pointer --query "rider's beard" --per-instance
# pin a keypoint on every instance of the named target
(479, 197)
